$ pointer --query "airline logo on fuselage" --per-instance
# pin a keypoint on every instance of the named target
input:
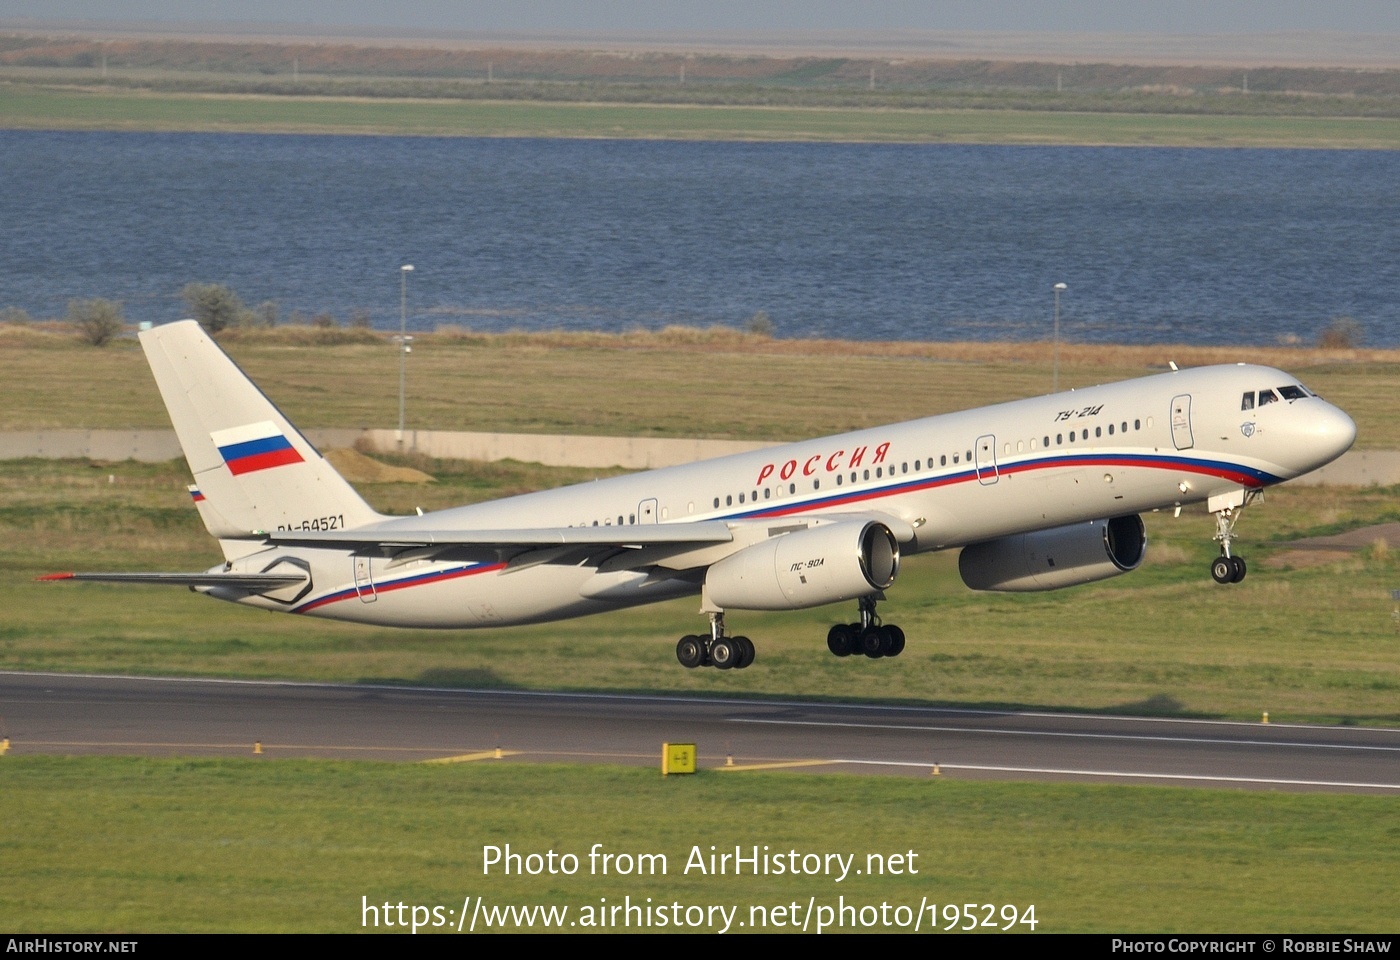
(840, 460)
(253, 447)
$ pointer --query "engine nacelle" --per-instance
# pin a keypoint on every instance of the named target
(1050, 559)
(807, 568)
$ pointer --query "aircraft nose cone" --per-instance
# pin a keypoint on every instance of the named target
(1339, 430)
(1329, 433)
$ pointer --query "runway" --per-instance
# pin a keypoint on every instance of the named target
(71, 714)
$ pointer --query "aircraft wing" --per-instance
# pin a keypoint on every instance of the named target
(635, 535)
(239, 581)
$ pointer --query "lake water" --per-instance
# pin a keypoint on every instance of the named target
(921, 242)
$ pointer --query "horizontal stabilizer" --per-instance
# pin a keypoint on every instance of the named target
(257, 582)
(711, 531)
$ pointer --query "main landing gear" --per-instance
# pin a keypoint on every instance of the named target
(716, 650)
(869, 636)
(1228, 568)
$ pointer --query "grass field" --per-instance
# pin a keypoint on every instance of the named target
(100, 844)
(37, 106)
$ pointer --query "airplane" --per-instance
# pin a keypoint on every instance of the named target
(1039, 494)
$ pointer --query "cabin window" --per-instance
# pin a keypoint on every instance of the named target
(767, 493)
(969, 456)
(816, 484)
(1071, 436)
(838, 479)
(716, 501)
(1098, 431)
(792, 488)
(916, 465)
(955, 458)
(1059, 438)
(904, 468)
(867, 474)
(1110, 429)
(729, 500)
(631, 518)
(943, 460)
(741, 498)
(1137, 425)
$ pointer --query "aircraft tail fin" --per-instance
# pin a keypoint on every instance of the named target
(254, 472)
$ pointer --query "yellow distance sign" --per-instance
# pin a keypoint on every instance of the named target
(677, 758)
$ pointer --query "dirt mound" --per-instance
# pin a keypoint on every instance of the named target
(1358, 539)
(1317, 551)
(358, 468)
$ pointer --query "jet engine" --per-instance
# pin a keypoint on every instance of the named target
(1050, 559)
(807, 568)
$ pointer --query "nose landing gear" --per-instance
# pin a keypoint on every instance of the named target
(1228, 568)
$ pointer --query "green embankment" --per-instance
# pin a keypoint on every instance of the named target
(107, 845)
(36, 106)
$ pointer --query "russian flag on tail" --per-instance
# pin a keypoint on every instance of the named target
(253, 447)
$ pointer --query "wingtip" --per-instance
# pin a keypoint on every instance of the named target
(55, 576)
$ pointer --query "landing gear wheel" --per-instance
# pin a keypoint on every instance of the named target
(724, 653)
(1223, 570)
(690, 651)
(892, 640)
(838, 640)
(746, 652)
(872, 643)
(1239, 569)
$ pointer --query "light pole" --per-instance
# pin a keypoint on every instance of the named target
(404, 271)
(1059, 288)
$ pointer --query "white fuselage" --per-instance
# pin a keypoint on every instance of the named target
(945, 481)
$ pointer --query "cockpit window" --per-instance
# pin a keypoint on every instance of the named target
(1247, 402)
(1267, 396)
(1292, 392)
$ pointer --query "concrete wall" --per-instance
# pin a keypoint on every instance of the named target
(1358, 468)
(146, 446)
(556, 450)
